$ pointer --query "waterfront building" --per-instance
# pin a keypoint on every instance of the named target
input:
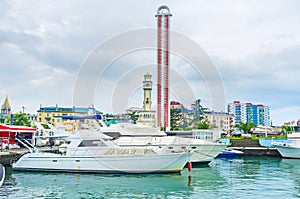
(146, 116)
(52, 114)
(258, 114)
(220, 120)
(175, 105)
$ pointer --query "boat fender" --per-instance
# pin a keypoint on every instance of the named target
(189, 166)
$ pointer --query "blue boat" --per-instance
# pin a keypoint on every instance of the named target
(230, 153)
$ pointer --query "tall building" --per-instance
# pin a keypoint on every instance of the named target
(163, 14)
(147, 115)
(258, 114)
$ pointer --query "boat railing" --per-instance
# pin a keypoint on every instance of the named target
(98, 151)
(26, 144)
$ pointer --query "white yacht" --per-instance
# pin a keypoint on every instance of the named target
(204, 151)
(91, 151)
(291, 147)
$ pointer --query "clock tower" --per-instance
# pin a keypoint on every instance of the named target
(147, 116)
(147, 87)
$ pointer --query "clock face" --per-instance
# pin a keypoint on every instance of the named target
(147, 84)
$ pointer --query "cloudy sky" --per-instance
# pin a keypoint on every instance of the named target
(254, 47)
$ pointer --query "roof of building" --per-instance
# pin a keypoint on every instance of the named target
(66, 109)
(6, 102)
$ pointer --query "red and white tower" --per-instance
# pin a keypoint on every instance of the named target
(163, 15)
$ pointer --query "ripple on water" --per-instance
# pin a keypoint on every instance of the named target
(254, 177)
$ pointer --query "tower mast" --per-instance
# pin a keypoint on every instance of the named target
(163, 15)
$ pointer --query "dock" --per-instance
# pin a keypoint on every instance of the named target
(253, 148)
(8, 156)
(258, 151)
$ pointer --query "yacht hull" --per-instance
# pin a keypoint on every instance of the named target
(165, 163)
(287, 151)
(206, 153)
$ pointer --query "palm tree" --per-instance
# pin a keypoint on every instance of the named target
(203, 125)
(286, 129)
(245, 126)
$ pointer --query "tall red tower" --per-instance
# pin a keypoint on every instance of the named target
(163, 15)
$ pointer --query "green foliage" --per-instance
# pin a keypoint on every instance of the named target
(245, 126)
(134, 116)
(174, 117)
(255, 137)
(18, 119)
(7, 120)
(203, 125)
(286, 129)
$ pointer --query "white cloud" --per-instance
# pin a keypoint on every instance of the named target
(254, 45)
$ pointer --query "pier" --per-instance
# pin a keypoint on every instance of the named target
(252, 148)
(10, 155)
(6, 157)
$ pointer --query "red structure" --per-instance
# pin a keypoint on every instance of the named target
(163, 15)
(9, 132)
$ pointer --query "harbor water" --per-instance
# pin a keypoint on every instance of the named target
(243, 177)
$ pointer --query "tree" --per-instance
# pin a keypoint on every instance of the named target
(175, 119)
(134, 116)
(18, 119)
(203, 125)
(199, 111)
(245, 126)
(286, 129)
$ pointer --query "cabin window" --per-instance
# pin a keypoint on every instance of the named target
(90, 143)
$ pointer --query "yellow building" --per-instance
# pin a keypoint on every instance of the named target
(53, 114)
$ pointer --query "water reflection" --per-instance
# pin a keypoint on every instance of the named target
(248, 177)
(60, 185)
(291, 168)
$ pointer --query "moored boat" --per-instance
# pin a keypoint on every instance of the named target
(204, 151)
(90, 151)
(291, 147)
(230, 153)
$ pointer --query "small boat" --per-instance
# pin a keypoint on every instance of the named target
(2, 174)
(230, 153)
